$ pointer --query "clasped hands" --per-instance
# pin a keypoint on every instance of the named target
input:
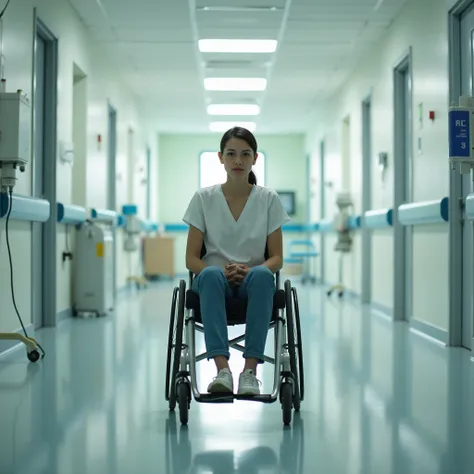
(236, 273)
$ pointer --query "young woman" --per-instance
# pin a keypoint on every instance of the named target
(236, 221)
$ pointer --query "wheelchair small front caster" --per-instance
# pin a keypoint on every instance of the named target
(33, 356)
(286, 402)
(183, 402)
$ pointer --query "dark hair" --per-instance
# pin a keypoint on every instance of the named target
(247, 136)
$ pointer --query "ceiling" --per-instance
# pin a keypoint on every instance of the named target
(154, 43)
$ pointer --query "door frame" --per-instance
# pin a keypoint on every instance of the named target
(48, 250)
(366, 236)
(322, 172)
(403, 189)
(148, 182)
(456, 305)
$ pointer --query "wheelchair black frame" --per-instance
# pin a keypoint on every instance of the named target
(281, 360)
(288, 387)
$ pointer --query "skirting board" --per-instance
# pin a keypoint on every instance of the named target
(382, 309)
(420, 328)
(429, 331)
(64, 314)
(6, 347)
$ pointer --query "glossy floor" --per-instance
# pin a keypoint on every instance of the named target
(379, 400)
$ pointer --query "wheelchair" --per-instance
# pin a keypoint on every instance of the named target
(185, 320)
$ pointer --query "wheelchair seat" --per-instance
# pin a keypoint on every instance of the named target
(236, 308)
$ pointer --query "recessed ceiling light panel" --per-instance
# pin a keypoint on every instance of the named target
(237, 46)
(244, 8)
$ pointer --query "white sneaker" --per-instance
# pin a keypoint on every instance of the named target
(248, 383)
(223, 383)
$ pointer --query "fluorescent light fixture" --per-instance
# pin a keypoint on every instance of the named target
(237, 46)
(240, 9)
(222, 127)
(235, 84)
(233, 109)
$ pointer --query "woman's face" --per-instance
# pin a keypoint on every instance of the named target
(238, 158)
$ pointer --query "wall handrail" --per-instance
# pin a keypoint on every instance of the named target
(424, 212)
(120, 220)
(25, 208)
(104, 215)
(71, 214)
(378, 219)
(312, 227)
(326, 225)
(470, 207)
(290, 227)
(149, 226)
(354, 222)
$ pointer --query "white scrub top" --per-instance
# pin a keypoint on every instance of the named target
(242, 241)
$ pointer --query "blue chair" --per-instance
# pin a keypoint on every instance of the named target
(304, 250)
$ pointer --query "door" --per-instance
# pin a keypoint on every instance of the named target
(403, 191)
(79, 136)
(43, 246)
(467, 43)
(148, 183)
(38, 184)
(346, 155)
(366, 291)
(112, 185)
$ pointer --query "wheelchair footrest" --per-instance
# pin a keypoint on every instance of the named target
(229, 398)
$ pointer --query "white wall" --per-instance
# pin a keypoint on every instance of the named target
(103, 85)
(422, 25)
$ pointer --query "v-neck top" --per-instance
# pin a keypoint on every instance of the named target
(227, 239)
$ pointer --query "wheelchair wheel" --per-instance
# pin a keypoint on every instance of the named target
(299, 343)
(292, 343)
(175, 343)
(183, 401)
(169, 358)
(286, 402)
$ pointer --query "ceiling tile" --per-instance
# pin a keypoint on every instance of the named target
(168, 34)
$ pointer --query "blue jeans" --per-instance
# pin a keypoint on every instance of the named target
(213, 288)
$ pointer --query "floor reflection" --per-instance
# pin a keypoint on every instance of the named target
(379, 400)
(184, 456)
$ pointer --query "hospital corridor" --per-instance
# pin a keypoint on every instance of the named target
(236, 236)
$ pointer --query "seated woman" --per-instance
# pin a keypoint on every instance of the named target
(236, 221)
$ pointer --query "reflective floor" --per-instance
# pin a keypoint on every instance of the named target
(379, 400)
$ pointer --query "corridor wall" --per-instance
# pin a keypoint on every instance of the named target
(421, 26)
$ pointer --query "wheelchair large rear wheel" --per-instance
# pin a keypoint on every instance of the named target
(299, 342)
(293, 343)
(175, 342)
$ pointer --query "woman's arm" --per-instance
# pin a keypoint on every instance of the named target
(193, 251)
(275, 251)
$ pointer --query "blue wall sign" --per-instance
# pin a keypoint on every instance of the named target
(459, 134)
